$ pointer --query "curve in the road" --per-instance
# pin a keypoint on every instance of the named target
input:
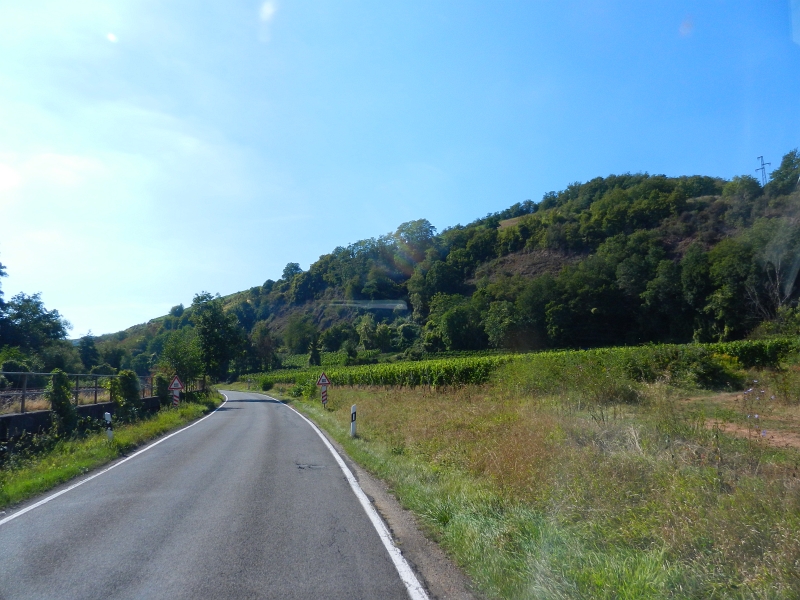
(247, 504)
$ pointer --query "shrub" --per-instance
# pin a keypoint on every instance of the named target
(59, 393)
(125, 394)
(162, 389)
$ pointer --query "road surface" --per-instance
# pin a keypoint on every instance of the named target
(248, 503)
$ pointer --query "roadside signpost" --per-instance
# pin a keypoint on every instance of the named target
(109, 426)
(323, 382)
(353, 421)
(175, 386)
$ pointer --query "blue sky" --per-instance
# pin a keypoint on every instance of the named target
(150, 150)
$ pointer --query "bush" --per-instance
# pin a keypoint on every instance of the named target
(266, 385)
(162, 389)
(59, 392)
(125, 394)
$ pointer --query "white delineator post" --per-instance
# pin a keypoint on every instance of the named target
(353, 421)
(109, 430)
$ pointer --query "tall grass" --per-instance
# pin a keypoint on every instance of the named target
(535, 496)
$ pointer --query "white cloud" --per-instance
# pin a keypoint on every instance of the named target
(268, 10)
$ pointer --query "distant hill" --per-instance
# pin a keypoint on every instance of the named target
(623, 259)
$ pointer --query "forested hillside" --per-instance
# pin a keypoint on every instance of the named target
(625, 259)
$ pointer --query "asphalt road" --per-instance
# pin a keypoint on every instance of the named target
(248, 503)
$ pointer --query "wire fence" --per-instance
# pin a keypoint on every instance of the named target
(25, 392)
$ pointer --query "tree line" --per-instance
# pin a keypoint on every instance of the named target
(629, 259)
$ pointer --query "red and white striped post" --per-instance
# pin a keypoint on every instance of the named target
(175, 386)
(323, 382)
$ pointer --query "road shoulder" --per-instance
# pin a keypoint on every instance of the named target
(441, 577)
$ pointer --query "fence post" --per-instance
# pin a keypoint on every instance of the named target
(24, 389)
(76, 390)
(95, 389)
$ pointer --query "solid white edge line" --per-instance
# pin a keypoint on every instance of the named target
(27, 509)
(409, 579)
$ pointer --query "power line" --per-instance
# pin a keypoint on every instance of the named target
(763, 170)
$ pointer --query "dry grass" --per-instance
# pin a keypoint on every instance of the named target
(37, 400)
(644, 502)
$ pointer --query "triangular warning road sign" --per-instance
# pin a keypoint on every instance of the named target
(176, 384)
(323, 380)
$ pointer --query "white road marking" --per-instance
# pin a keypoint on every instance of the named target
(409, 579)
(104, 471)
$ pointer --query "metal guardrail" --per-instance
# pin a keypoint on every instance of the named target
(21, 392)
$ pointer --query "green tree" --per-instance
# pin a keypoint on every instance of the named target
(459, 328)
(665, 310)
(383, 337)
(443, 278)
(32, 327)
(413, 240)
(483, 245)
(59, 392)
(333, 337)
(290, 270)
(263, 346)
(379, 285)
(113, 353)
(731, 268)
(314, 358)
(60, 354)
(300, 331)
(125, 394)
(366, 331)
(181, 355)
(162, 389)
(501, 324)
(784, 179)
(220, 337)
(88, 351)
(350, 350)
(741, 193)
(696, 284)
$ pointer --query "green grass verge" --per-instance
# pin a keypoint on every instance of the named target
(72, 458)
